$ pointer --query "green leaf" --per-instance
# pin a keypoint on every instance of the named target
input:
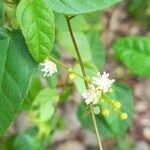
(84, 46)
(94, 20)
(37, 24)
(10, 13)
(65, 94)
(97, 50)
(44, 103)
(124, 143)
(141, 17)
(80, 6)
(1, 12)
(34, 89)
(123, 94)
(16, 68)
(85, 118)
(134, 52)
(28, 140)
(111, 126)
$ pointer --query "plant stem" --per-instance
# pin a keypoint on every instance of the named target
(58, 62)
(96, 128)
(77, 51)
(68, 68)
(71, 17)
(86, 83)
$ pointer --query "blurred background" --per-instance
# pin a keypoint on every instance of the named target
(64, 131)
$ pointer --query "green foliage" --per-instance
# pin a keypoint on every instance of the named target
(80, 6)
(97, 50)
(83, 46)
(37, 24)
(123, 94)
(34, 89)
(16, 70)
(10, 11)
(65, 94)
(41, 104)
(44, 104)
(91, 48)
(44, 114)
(1, 12)
(124, 143)
(94, 20)
(111, 126)
(134, 52)
(142, 17)
(27, 140)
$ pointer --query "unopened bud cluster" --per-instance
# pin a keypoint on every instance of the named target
(100, 86)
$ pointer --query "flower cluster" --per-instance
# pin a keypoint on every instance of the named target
(103, 82)
(97, 96)
(91, 95)
(100, 84)
(97, 92)
(48, 68)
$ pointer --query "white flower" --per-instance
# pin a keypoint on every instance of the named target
(103, 82)
(91, 95)
(48, 68)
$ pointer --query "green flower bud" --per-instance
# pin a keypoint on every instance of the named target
(123, 116)
(105, 112)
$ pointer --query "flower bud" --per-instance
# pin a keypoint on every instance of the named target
(116, 105)
(123, 116)
(105, 112)
(71, 76)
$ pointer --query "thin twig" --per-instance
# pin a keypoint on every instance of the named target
(86, 83)
(71, 17)
(69, 69)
